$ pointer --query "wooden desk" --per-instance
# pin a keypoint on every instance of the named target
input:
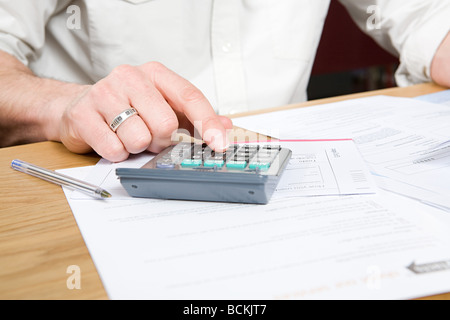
(39, 237)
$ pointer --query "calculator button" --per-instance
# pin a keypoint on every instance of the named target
(197, 151)
(236, 164)
(244, 153)
(260, 165)
(229, 154)
(239, 159)
(271, 147)
(215, 158)
(263, 159)
(190, 163)
(268, 152)
(165, 164)
(213, 163)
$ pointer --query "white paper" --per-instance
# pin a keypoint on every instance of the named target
(103, 174)
(347, 247)
(442, 97)
(324, 167)
(398, 138)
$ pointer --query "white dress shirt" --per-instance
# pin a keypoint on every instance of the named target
(243, 54)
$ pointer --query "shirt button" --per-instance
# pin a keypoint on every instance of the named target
(226, 47)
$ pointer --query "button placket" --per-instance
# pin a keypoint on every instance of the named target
(227, 57)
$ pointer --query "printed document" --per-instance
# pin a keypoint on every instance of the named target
(443, 98)
(400, 139)
(334, 247)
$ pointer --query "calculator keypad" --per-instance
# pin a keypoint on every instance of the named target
(235, 158)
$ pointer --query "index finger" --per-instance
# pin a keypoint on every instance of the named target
(184, 97)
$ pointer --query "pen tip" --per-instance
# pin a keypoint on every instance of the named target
(106, 194)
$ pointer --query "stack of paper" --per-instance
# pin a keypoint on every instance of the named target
(402, 140)
(327, 247)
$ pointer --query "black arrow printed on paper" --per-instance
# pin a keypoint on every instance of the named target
(429, 267)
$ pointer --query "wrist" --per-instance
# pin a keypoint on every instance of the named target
(61, 96)
(31, 107)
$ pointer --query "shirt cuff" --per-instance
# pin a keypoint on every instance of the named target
(16, 48)
(420, 49)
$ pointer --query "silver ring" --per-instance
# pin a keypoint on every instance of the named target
(115, 124)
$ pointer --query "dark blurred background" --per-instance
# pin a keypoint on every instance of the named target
(348, 61)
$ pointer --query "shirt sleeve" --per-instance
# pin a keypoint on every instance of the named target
(22, 26)
(412, 30)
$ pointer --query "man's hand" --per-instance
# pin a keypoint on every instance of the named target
(440, 67)
(36, 109)
(164, 101)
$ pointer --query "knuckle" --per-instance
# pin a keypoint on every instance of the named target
(100, 90)
(210, 122)
(114, 152)
(155, 66)
(109, 148)
(124, 75)
(210, 126)
(190, 94)
(166, 127)
(123, 70)
(160, 146)
(74, 115)
(141, 143)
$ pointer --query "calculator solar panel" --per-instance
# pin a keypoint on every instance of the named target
(244, 173)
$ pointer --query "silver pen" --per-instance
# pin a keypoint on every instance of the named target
(60, 179)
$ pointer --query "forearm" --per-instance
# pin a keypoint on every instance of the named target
(30, 107)
(440, 67)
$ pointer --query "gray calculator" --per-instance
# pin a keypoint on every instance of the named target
(244, 173)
